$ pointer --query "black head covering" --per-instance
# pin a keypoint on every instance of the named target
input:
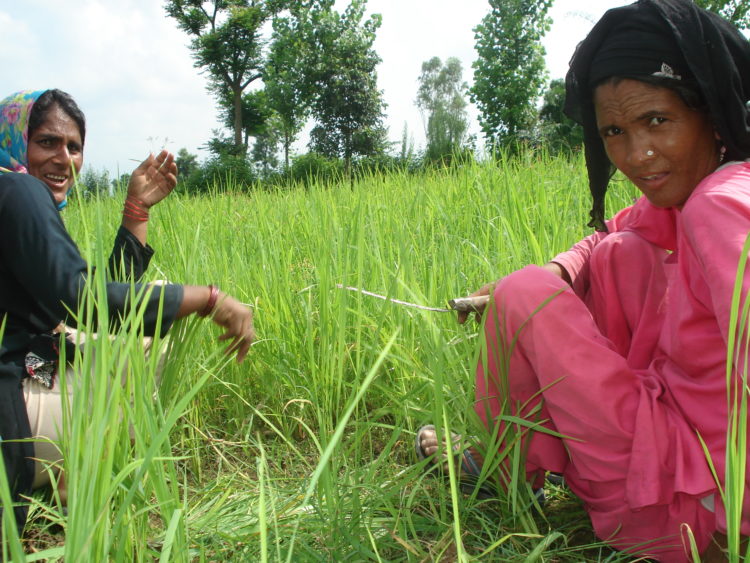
(672, 39)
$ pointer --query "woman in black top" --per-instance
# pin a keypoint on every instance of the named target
(42, 274)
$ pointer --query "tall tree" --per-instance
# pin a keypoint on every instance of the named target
(560, 132)
(441, 100)
(287, 78)
(226, 43)
(256, 112)
(186, 163)
(265, 148)
(347, 105)
(735, 11)
(509, 72)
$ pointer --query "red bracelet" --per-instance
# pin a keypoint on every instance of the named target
(140, 218)
(213, 296)
(135, 201)
(135, 209)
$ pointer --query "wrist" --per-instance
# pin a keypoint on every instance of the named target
(135, 209)
(213, 297)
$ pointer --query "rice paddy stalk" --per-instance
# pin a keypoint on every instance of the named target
(319, 422)
(737, 399)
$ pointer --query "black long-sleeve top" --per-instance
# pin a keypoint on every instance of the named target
(42, 277)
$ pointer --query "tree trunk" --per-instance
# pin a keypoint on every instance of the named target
(348, 158)
(287, 143)
(237, 95)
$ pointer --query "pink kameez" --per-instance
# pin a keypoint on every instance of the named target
(634, 355)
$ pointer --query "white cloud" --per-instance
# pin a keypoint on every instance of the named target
(131, 71)
(413, 32)
(126, 64)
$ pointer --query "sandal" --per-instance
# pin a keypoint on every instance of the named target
(469, 470)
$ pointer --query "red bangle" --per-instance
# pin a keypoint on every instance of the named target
(140, 218)
(136, 201)
(213, 296)
(135, 209)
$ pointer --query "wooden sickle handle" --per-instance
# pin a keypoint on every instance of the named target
(469, 304)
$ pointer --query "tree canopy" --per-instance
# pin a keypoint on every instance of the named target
(287, 78)
(346, 103)
(509, 72)
(735, 11)
(440, 98)
(227, 44)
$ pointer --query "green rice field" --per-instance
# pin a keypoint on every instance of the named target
(305, 452)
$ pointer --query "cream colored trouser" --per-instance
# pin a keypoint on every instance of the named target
(44, 408)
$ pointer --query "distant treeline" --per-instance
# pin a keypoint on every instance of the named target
(276, 66)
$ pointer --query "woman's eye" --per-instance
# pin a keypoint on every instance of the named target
(612, 131)
(45, 142)
(657, 121)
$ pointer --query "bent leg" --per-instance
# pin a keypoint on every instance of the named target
(627, 292)
(541, 333)
(44, 408)
(543, 342)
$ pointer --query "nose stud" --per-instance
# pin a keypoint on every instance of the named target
(649, 153)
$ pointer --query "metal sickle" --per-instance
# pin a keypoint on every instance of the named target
(460, 304)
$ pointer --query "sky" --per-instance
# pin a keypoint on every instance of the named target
(131, 71)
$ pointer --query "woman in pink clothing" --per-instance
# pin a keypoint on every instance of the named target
(620, 344)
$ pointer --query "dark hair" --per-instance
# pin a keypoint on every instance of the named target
(47, 101)
(714, 52)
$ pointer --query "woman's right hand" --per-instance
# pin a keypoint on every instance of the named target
(154, 179)
(487, 289)
(237, 319)
(225, 311)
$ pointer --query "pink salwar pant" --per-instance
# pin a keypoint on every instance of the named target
(587, 348)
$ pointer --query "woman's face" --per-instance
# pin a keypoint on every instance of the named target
(55, 150)
(663, 147)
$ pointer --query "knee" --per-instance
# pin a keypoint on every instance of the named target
(624, 248)
(519, 282)
(523, 291)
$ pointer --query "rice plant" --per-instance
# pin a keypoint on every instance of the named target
(305, 452)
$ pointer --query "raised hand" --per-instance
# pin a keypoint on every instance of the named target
(154, 179)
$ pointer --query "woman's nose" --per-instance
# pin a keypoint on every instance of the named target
(62, 155)
(641, 150)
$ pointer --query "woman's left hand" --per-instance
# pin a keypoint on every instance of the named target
(154, 179)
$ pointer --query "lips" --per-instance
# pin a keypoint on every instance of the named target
(653, 180)
(654, 176)
(57, 182)
(55, 178)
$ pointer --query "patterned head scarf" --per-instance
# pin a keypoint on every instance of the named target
(14, 130)
(667, 39)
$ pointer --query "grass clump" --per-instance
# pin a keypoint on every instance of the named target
(305, 451)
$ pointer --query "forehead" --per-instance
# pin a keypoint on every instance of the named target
(59, 124)
(630, 99)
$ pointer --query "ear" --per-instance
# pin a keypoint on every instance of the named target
(716, 135)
